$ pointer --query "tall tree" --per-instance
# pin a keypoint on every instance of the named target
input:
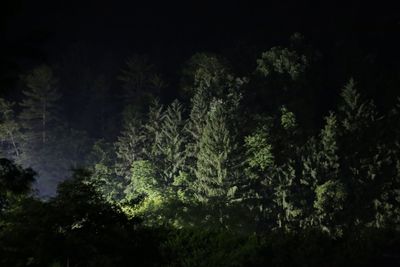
(216, 180)
(172, 142)
(40, 119)
(360, 154)
(141, 84)
(330, 190)
(129, 146)
(40, 103)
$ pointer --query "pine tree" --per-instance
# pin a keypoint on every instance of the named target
(207, 78)
(129, 146)
(203, 80)
(152, 131)
(141, 84)
(172, 143)
(361, 159)
(288, 197)
(39, 119)
(39, 111)
(215, 168)
(257, 189)
(330, 191)
(357, 114)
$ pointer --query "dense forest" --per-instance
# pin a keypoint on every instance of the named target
(276, 156)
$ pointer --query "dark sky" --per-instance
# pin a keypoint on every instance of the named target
(34, 31)
(195, 23)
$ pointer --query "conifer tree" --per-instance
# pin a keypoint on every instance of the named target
(257, 189)
(129, 146)
(330, 191)
(360, 155)
(152, 129)
(141, 84)
(172, 142)
(216, 181)
(288, 202)
(39, 119)
(39, 104)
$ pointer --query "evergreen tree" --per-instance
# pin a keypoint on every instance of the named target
(362, 164)
(357, 114)
(39, 119)
(141, 84)
(330, 191)
(216, 180)
(172, 143)
(129, 146)
(288, 197)
(152, 129)
(39, 104)
(257, 187)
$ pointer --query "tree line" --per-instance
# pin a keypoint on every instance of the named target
(250, 154)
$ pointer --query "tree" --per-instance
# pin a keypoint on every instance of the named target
(40, 103)
(216, 175)
(257, 188)
(10, 130)
(363, 165)
(330, 192)
(172, 143)
(206, 71)
(152, 129)
(283, 61)
(357, 114)
(207, 78)
(141, 84)
(330, 200)
(14, 181)
(129, 146)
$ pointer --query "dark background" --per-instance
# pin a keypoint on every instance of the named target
(109, 31)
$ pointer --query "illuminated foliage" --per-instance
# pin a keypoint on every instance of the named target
(282, 61)
(260, 151)
(10, 130)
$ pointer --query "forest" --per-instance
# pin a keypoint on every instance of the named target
(282, 156)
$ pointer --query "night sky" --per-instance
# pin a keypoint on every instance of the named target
(37, 31)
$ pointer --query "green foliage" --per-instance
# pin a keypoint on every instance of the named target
(129, 147)
(14, 181)
(264, 183)
(204, 71)
(259, 151)
(172, 143)
(210, 248)
(330, 200)
(282, 61)
(288, 120)
(213, 159)
(357, 113)
(10, 130)
(216, 167)
(143, 181)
